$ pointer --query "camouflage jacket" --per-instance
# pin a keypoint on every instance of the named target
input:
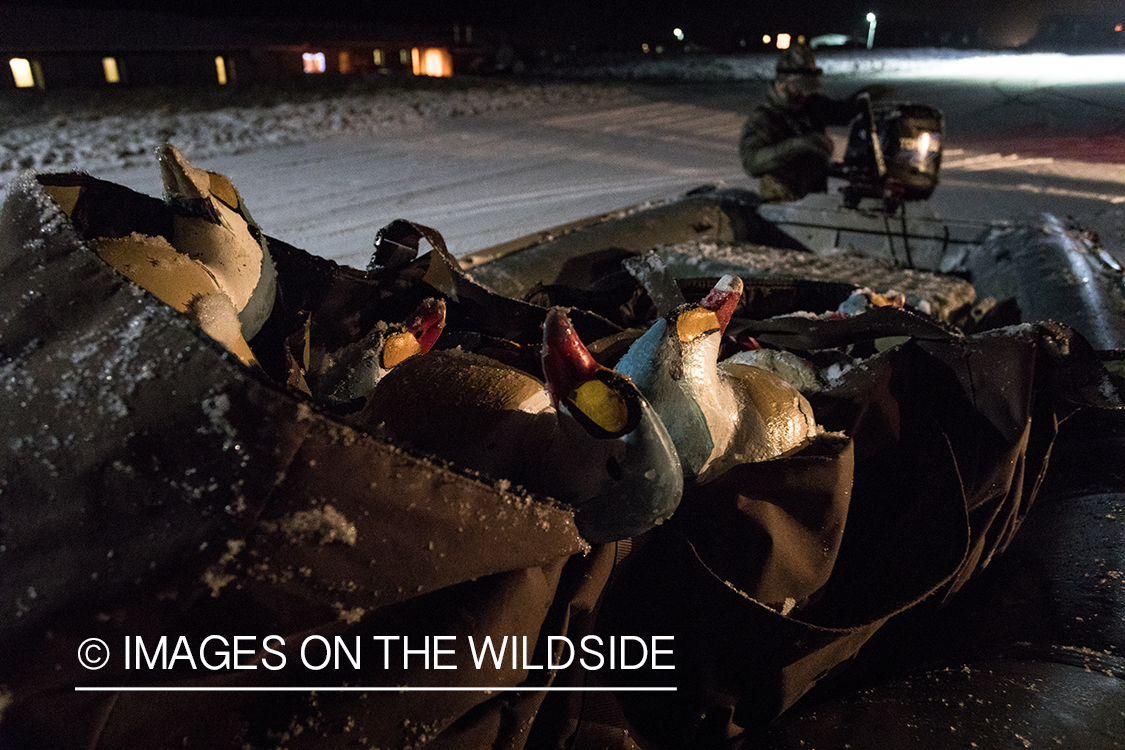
(787, 147)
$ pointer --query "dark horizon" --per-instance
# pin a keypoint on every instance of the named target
(709, 23)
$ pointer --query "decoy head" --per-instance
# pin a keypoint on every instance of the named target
(426, 323)
(723, 299)
(418, 334)
(212, 225)
(346, 376)
(615, 462)
(602, 400)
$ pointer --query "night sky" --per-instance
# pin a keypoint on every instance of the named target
(704, 20)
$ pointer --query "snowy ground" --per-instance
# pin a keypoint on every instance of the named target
(488, 161)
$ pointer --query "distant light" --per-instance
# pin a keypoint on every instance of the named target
(109, 67)
(433, 62)
(314, 62)
(870, 17)
(21, 72)
(404, 56)
(871, 30)
(377, 56)
(1117, 27)
(221, 70)
(678, 33)
(783, 41)
(644, 48)
(766, 39)
(660, 49)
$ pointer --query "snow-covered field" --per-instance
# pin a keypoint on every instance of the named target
(88, 135)
(489, 160)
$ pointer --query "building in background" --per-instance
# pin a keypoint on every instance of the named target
(60, 47)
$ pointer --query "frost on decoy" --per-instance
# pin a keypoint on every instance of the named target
(212, 225)
(718, 414)
(586, 437)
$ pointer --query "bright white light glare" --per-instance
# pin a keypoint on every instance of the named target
(1043, 69)
(924, 143)
(870, 17)
(21, 72)
(766, 39)
(678, 33)
(783, 41)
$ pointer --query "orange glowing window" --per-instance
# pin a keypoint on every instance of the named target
(783, 41)
(432, 62)
(1117, 27)
(313, 62)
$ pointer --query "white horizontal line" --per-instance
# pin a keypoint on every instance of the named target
(351, 689)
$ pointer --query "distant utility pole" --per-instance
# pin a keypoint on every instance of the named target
(870, 30)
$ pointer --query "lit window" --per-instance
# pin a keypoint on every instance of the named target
(21, 71)
(404, 56)
(766, 39)
(380, 61)
(345, 61)
(432, 62)
(109, 66)
(221, 70)
(314, 62)
(783, 41)
(1117, 27)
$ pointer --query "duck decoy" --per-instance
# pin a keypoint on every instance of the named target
(212, 225)
(586, 437)
(718, 414)
(347, 375)
(179, 281)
